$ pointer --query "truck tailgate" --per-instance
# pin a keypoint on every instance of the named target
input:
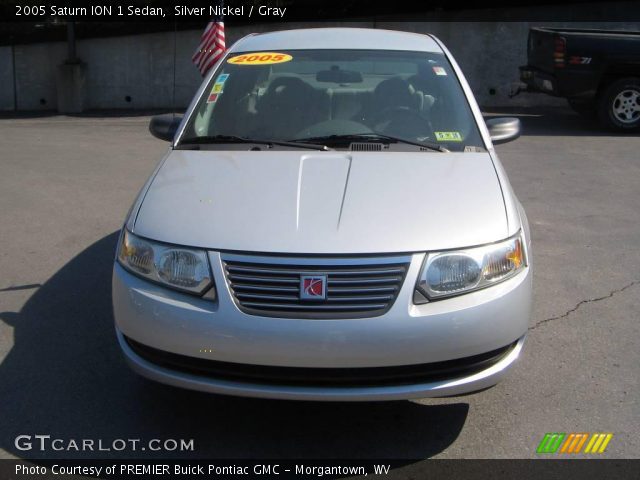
(540, 50)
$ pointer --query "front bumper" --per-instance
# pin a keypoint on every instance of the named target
(406, 336)
(457, 386)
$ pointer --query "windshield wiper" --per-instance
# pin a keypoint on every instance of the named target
(210, 139)
(373, 137)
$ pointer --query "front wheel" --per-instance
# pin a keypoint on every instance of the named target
(619, 104)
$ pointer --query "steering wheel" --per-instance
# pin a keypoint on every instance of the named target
(288, 82)
(400, 119)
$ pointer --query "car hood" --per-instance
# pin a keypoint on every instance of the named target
(324, 202)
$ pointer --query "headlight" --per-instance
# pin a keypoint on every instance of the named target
(451, 273)
(180, 268)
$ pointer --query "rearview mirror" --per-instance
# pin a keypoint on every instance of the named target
(337, 75)
(165, 126)
(503, 129)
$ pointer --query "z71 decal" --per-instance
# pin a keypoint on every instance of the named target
(579, 60)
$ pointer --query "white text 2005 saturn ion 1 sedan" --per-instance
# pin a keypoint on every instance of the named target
(330, 222)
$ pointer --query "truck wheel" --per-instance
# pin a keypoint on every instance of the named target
(584, 109)
(619, 104)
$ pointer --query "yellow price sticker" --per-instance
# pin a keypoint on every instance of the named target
(260, 58)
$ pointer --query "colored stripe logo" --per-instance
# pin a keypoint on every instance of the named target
(574, 443)
(598, 443)
(550, 442)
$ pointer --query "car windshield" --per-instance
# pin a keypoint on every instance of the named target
(334, 97)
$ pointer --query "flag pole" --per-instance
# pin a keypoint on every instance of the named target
(175, 48)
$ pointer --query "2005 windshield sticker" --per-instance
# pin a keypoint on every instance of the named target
(218, 87)
(448, 136)
(260, 58)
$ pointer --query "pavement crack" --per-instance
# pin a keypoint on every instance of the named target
(583, 302)
(28, 286)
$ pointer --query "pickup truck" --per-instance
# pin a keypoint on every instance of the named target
(597, 71)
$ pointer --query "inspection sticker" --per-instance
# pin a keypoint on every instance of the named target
(222, 78)
(260, 58)
(217, 88)
(448, 136)
(440, 71)
(212, 98)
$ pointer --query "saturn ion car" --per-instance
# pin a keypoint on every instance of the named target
(330, 222)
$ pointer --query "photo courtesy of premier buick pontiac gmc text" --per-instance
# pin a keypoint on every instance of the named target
(330, 222)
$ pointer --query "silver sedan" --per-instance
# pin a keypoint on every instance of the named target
(330, 222)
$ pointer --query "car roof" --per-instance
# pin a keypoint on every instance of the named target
(337, 38)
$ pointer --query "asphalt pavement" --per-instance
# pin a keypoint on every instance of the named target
(66, 184)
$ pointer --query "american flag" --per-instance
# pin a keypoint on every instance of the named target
(211, 46)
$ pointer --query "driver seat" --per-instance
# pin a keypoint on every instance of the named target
(288, 105)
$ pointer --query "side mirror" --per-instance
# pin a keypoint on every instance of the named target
(503, 129)
(165, 126)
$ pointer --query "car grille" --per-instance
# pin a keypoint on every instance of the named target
(356, 287)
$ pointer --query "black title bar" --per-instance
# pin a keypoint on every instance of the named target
(162, 469)
(246, 11)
